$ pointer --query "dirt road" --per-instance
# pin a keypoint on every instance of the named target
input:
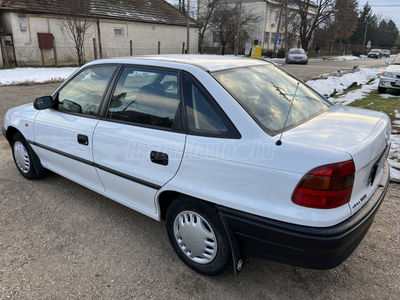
(59, 240)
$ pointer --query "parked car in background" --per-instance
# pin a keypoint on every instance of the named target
(297, 56)
(390, 77)
(385, 53)
(238, 156)
(375, 53)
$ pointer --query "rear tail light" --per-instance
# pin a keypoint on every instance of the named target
(328, 186)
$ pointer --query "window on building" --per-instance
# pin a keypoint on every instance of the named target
(266, 37)
(216, 37)
(275, 16)
(268, 15)
(118, 31)
(273, 37)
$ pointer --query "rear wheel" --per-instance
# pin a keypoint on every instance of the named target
(22, 157)
(198, 236)
(381, 89)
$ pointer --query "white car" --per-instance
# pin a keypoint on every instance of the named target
(390, 77)
(239, 157)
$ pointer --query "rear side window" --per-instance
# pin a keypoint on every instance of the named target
(84, 93)
(205, 117)
(147, 97)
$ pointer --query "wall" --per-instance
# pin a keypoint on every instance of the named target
(144, 37)
(1, 58)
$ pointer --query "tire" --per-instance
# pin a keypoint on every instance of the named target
(381, 89)
(286, 61)
(22, 154)
(189, 222)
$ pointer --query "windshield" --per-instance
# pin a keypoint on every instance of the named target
(396, 61)
(296, 51)
(266, 93)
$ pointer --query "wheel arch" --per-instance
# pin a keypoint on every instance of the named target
(11, 131)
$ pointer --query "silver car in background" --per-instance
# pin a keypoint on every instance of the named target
(297, 56)
(385, 53)
(390, 77)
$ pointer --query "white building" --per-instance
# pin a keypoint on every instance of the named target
(118, 28)
(265, 30)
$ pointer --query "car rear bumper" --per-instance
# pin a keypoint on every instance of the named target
(309, 247)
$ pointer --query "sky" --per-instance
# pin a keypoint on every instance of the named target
(388, 9)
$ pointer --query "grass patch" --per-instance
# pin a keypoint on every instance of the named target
(386, 105)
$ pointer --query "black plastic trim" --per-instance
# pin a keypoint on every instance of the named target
(304, 246)
(90, 163)
(86, 162)
(128, 177)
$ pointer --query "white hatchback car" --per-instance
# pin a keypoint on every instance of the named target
(238, 156)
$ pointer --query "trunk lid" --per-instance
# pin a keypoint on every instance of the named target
(362, 133)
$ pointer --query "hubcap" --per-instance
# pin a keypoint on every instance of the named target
(195, 237)
(21, 157)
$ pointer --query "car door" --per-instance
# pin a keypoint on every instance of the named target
(64, 134)
(139, 144)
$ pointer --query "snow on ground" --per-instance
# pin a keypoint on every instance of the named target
(338, 84)
(34, 75)
(326, 86)
(345, 57)
(358, 93)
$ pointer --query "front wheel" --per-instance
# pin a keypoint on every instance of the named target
(198, 236)
(22, 157)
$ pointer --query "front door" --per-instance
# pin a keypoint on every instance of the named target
(64, 134)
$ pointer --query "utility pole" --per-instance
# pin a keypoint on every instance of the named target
(238, 29)
(277, 29)
(188, 26)
(365, 34)
(286, 29)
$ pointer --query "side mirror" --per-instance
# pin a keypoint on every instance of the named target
(388, 62)
(43, 103)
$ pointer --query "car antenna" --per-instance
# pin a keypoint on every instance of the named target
(279, 142)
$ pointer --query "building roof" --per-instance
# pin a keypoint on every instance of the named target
(149, 11)
(210, 63)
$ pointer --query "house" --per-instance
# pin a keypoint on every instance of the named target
(36, 33)
(264, 30)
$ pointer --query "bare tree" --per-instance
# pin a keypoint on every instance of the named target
(76, 24)
(205, 18)
(224, 22)
(311, 17)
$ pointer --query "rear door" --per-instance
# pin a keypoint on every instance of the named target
(139, 145)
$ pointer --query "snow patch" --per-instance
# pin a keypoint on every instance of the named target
(34, 75)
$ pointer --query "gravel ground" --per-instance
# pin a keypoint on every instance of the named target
(59, 240)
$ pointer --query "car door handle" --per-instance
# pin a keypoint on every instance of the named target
(83, 139)
(159, 158)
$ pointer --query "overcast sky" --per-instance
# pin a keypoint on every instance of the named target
(388, 9)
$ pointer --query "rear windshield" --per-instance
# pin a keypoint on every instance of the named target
(266, 93)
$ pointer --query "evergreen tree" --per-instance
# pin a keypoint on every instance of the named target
(366, 19)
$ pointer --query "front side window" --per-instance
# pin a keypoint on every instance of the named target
(147, 97)
(84, 93)
(267, 93)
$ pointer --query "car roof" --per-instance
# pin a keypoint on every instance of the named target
(209, 63)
